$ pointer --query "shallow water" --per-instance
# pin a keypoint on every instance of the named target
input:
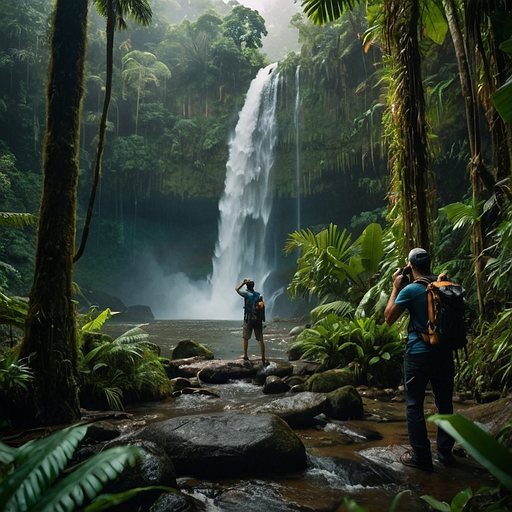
(341, 461)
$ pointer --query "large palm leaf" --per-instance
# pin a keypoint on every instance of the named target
(324, 11)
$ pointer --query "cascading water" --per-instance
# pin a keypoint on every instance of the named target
(242, 250)
(247, 201)
(297, 141)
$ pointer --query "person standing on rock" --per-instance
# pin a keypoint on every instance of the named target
(423, 363)
(252, 320)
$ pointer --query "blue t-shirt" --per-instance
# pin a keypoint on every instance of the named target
(414, 298)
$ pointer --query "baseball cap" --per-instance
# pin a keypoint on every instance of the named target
(419, 258)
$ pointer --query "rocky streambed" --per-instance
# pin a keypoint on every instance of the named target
(229, 443)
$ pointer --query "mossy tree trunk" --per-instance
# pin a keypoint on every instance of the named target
(410, 147)
(50, 335)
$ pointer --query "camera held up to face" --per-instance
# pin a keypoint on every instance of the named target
(406, 273)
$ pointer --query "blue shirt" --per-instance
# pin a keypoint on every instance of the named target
(414, 298)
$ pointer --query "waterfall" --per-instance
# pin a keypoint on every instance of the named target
(241, 249)
(297, 141)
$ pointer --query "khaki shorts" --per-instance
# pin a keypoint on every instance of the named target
(250, 326)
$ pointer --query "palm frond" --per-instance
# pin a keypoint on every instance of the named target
(339, 308)
(16, 220)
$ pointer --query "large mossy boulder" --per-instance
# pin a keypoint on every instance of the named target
(191, 348)
(325, 382)
(344, 404)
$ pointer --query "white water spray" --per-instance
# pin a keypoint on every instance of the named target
(247, 201)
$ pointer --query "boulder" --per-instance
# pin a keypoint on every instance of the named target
(230, 444)
(274, 368)
(136, 314)
(299, 409)
(153, 467)
(177, 502)
(344, 404)
(190, 348)
(493, 417)
(221, 371)
(275, 385)
(328, 381)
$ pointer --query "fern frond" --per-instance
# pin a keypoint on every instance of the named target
(88, 480)
(16, 220)
(132, 336)
(38, 462)
(339, 308)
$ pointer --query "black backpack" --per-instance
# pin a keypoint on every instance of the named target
(446, 312)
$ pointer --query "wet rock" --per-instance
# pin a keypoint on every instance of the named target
(328, 381)
(190, 348)
(177, 502)
(356, 432)
(136, 314)
(493, 417)
(179, 383)
(275, 385)
(230, 444)
(297, 409)
(354, 472)
(344, 404)
(100, 431)
(295, 380)
(186, 367)
(221, 371)
(296, 331)
(275, 368)
(153, 467)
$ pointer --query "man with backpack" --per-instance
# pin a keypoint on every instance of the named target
(423, 362)
(254, 316)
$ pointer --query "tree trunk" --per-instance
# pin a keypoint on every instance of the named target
(50, 335)
(111, 20)
(411, 148)
(479, 174)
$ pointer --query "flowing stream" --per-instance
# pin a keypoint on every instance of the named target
(346, 459)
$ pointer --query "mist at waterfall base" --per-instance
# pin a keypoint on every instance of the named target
(245, 247)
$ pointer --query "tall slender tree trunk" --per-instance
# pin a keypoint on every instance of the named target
(411, 147)
(111, 20)
(50, 335)
(479, 174)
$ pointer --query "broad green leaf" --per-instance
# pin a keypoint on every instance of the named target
(442, 506)
(502, 99)
(483, 447)
(372, 248)
(435, 23)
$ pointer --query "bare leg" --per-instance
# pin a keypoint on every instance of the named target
(245, 345)
(262, 351)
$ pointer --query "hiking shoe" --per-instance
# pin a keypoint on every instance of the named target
(408, 459)
(447, 460)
